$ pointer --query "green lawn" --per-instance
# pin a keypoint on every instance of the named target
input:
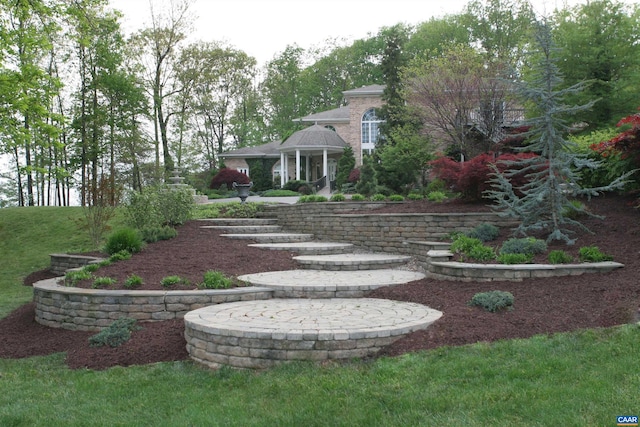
(585, 378)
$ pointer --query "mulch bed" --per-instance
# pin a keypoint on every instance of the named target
(542, 306)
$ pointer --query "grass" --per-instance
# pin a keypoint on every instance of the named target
(579, 378)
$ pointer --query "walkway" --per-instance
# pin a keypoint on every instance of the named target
(318, 313)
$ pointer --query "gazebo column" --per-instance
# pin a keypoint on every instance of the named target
(325, 164)
(297, 165)
(283, 169)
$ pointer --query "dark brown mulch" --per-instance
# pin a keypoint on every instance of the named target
(542, 306)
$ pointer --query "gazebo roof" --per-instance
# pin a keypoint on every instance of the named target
(314, 137)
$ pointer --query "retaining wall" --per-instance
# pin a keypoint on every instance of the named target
(60, 263)
(377, 232)
(93, 309)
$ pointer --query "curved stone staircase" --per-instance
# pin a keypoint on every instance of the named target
(318, 312)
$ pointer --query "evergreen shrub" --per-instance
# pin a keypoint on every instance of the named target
(125, 239)
(526, 245)
(493, 301)
(155, 234)
(115, 334)
(484, 232)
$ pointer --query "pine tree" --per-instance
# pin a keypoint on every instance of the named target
(345, 165)
(543, 203)
(367, 183)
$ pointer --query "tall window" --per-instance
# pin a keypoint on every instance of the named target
(370, 130)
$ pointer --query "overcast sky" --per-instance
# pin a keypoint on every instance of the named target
(263, 28)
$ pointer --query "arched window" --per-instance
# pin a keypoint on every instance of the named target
(370, 130)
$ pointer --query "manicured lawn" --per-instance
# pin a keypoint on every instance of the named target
(581, 378)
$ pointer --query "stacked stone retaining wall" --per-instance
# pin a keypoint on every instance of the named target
(93, 309)
(60, 263)
(377, 232)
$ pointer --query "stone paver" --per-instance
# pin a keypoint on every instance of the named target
(325, 283)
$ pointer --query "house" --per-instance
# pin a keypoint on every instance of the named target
(312, 154)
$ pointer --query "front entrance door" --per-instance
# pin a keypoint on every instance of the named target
(332, 166)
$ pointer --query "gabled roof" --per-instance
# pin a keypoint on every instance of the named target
(314, 137)
(371, 90)
(337, 115)
(270, 149)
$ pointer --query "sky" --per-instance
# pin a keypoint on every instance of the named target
(264, 28)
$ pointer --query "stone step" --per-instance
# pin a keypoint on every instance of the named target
(308, 248)
(272, 237)
(242, 229)
(352, 262)
(328, 284)
(238, 221)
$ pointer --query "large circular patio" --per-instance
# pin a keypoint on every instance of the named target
(260, 334)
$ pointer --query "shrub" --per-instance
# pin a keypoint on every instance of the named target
(396, 198)
(378, 197)
(215, 280)
(72, 277)
(527, 245)
(493, 301)
(415, 196)
(120, 256)
(227, 177)
(357, 198)
(311, 198)
(472, 178)
(240, 210)
(155, 234)
(133, 281)
(115, 334)
(175, 206)
(173, 280)
(515, 258)
(91, 267)
(348, 188)
(593, 254)
(101, 282)
(484, 232)
(125, 239)
(559, 257)
(463, 244)
(338, 197)
(481, 253)
(436, 196)
(141, 209)
(354, 176)
(295, 185)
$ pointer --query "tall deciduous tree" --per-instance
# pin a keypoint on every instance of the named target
(457, 95)
(600, 42)
(27, 88)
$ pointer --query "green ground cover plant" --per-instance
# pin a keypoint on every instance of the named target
(114, 335)
(215, 280)
(510, 259)
(493, 301)
(133, 281)
(169, 281)
(484, 232)
(559, 257)
(525, 245)
(338, 197)
(593, 254)
(103, 282)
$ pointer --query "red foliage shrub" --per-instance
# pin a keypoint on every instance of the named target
(627, 143)
(354, 176)
(227, 177)
(472, 177)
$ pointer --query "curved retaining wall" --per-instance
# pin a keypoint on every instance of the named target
(60, 263)
(93, 309)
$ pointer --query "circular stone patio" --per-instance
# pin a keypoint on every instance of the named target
(328, 284)
(260, 334)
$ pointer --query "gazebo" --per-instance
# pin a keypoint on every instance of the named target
(314, 141)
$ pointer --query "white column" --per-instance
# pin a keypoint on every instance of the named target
(282, 170)
(297, 165)
(308, 168)
(325, 164)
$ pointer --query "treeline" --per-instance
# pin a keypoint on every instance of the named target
(84, 107)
